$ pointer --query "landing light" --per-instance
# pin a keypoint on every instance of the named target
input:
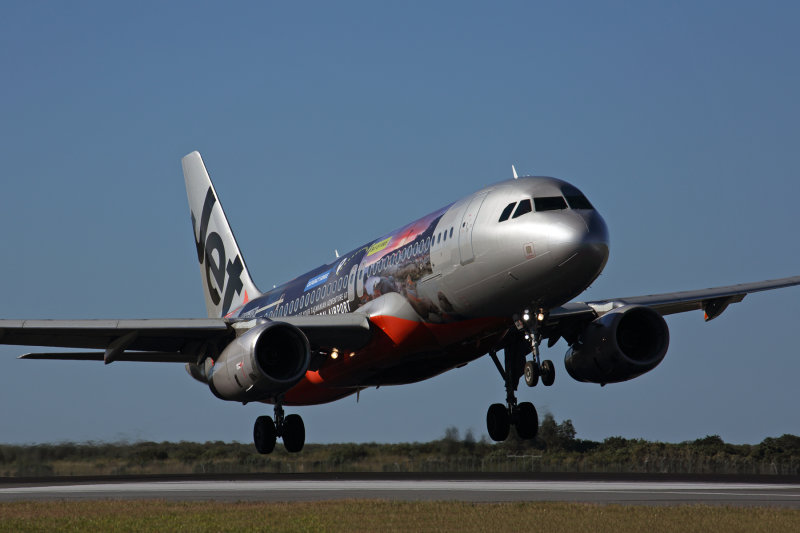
(334, 353)
(526, 315)
(352, 354)
(540, 317)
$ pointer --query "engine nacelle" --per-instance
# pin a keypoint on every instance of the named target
(267, 360)
(620, 345)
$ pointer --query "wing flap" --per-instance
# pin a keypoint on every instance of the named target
(140, 357)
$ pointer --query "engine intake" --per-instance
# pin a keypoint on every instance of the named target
(267, 360)
(620, 345)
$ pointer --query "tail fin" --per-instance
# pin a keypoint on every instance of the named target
(226, 282)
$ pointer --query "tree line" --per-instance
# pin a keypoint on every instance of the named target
(555, 449)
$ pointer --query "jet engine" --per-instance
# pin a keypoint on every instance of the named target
(262, 363)
(620, 345)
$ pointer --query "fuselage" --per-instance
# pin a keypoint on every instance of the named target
(443, 287)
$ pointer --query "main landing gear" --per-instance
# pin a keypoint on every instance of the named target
(523, 416)
(290, 428)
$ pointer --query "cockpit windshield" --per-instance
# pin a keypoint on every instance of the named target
(572, 199)
(575, 198)
(549, 203)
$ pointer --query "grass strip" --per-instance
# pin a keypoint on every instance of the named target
(381, 515)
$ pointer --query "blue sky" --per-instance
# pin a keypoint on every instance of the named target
(325, 125)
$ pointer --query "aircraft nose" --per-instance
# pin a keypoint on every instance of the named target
(581, 238)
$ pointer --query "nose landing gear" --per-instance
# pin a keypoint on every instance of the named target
(290, 428)
(531, 326)
(523, 416)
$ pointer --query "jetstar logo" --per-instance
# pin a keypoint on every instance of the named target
(217, 269)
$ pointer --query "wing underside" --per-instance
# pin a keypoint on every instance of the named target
(166, 340)
(712, 302)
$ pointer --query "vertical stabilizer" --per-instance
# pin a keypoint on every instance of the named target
(226, 282)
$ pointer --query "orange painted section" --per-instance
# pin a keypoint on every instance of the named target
(399, 330)
(394, 339)
(314, 377)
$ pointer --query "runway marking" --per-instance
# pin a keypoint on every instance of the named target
(597, 492)
(686, 488)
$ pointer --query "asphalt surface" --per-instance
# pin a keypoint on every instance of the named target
(631, 490)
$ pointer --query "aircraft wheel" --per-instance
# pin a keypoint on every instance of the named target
(531, 374)
(497, 422)
(264, 434)
(294, 433)
(527, 421)
(548, 373)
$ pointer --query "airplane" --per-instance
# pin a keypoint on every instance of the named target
(494, 271)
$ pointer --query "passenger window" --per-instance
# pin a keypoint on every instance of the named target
(451, 232)
(523, 207)
(507, 212)
(445, 235)
(439, 239)
(549, 203)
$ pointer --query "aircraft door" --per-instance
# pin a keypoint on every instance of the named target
(351, 284)
(360, 281)
(465, 229)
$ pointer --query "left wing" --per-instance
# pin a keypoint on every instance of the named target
(563, 320)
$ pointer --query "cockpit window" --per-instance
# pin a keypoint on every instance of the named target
(523, 207)
(549, 203)
(575, 198)
(507, 211)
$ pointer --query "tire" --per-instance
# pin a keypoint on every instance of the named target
(497, 422)
(294, 433)
(264, 434)
(548, 373)
(527, 421)
(531, 374)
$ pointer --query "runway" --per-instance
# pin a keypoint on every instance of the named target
(475, 490)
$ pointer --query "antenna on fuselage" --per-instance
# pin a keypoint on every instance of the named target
(336, 252)
(514, 171)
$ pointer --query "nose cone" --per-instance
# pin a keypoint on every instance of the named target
(595, 240)
(579, 244)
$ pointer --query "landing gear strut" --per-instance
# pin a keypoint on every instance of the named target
(290, 428)
(531, 326)
(500, 418)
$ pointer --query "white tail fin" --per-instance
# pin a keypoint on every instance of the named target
(226, 282)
